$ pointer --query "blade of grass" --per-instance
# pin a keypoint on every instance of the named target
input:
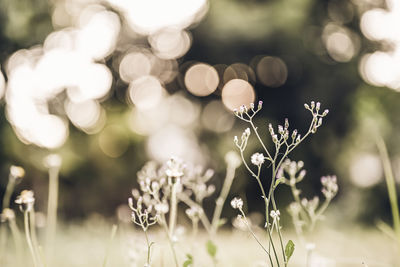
(391, 185)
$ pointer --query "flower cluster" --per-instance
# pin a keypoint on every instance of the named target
(329, 186)
(190, 185)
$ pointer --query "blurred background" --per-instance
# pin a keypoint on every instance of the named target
(111, 84)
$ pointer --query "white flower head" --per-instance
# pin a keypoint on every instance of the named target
(25, 200)
(53, 161)
(275, 214)
(233, 159)
(237, 203)
(257, 159)
(175, 168)
(17, 171)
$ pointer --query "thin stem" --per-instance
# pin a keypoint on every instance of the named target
(35, 242)
(171, 244)
(148, 261)
(52, 204)
(319, 213)
(28, 238)
(255, 237)
(17, 240)
(174, 206)
(230, 174)
(6, 204)
(113, 232)
(278, 229)
(260, 140)
(8, 193)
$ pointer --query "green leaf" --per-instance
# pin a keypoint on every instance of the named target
(289, 249)
(189, 261)
(211, 249)
(222, 222)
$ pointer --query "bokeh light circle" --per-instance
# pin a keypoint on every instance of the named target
(133, 66)
(271, 71)
(201, 79)
(145, 92)
(216, 118)
(237, 92)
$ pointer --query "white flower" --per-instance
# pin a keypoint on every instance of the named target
(175, 168)
(237, 203)
(275, 214)
(25, 200)
(161, 208)
(257, 159)
(17, 172)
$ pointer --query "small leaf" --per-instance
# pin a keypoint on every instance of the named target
(189, 261)
(211, 248)
(289, 249)
(279, 181)
(222, 222)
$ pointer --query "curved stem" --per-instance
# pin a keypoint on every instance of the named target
(28, 238)
(219, 204)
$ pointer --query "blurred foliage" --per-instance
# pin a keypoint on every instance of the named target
(231, 32)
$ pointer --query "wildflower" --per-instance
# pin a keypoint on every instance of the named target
(7, 215)
(257, 159)
(275, 214)
(175, 168)
(25, 200)
(237, 203)
(17, 172)
(330, 187)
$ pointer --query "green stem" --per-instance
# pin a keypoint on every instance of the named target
(391, 185)
(35, 242)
